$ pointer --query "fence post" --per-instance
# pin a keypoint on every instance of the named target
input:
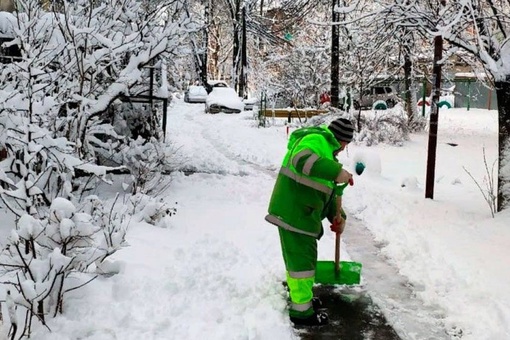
(262, 109)
(490, 99)
(165, 111)
(469, 95)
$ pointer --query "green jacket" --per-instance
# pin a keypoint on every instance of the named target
(304, 193)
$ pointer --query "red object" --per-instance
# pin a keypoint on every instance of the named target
(324, 98)
(351, 181)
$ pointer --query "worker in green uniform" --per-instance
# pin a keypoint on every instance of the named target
(304, 194)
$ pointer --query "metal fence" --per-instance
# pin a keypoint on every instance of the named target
(469, 93)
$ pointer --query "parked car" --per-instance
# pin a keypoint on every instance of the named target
(249, 103)
(379, 94)
(223, 99)
(195, 94)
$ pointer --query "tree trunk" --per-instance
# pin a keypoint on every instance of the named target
(214, 45)
(237, 47)
(203, 70)
(335, 56)
(244, 61)
(433, 120)
(503, 95)
(408, 65)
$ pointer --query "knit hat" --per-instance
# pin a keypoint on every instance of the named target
(342, 129)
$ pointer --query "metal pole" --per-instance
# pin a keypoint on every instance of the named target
(434, 113)
(469, 94)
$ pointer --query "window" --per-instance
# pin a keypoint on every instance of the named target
(379, 90)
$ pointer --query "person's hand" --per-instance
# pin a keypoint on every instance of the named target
(344, 177)
(338, 225)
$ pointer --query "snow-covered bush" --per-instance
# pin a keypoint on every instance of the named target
(155, 212)
(490, 184)
(383, 127)
(46, 258)
(149, 162)
(158, 213)
(52, 238)
(74, 64)
(38, 168)
(54, 118)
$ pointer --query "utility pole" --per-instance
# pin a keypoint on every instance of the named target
(335, 55)
(434, 115)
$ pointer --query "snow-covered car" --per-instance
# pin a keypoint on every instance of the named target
(195, 94)
(249, 103)
(223, 99)
(382, 95)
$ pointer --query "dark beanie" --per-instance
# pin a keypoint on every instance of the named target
(342, 129)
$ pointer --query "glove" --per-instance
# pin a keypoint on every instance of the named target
(338, 225)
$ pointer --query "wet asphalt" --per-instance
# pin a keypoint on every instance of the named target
(352, 315)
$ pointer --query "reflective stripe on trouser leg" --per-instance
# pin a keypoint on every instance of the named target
(300, 256)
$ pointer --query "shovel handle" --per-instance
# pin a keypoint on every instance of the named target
(337, 253)
(337, 239)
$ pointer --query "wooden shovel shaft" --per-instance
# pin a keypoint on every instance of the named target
(337, 238)
(337, 253)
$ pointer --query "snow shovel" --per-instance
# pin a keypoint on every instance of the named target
(338, 272)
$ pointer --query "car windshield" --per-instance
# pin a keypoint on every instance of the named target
(197, 90)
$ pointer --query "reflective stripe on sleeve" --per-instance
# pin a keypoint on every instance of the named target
(298, 156)
(306, 181)
(309, 163)
(302, 275)
(279, 223)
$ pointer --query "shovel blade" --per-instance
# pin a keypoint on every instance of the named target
(350, 273)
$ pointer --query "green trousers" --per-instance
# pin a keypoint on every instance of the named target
(300, 257)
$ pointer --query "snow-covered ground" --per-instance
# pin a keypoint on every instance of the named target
(215, 271)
